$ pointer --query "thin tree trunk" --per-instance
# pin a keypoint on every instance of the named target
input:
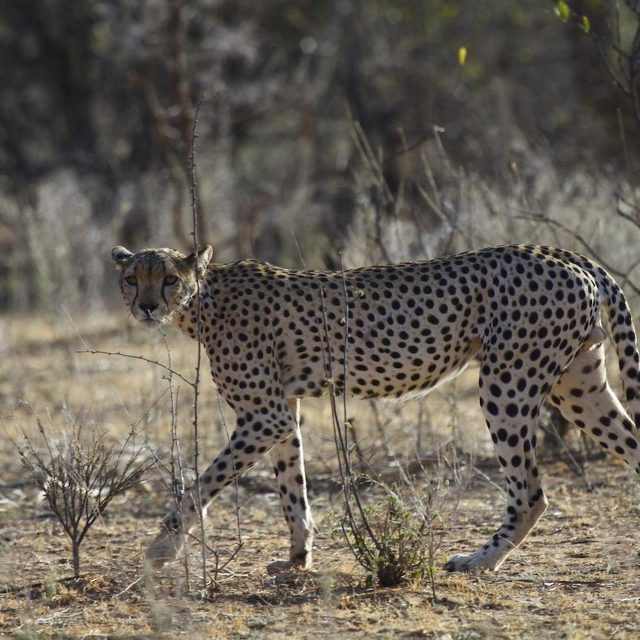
(75, 546)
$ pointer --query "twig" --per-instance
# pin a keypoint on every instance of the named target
(133, 584)
(176, 469)
(173, 372)
(111, 385)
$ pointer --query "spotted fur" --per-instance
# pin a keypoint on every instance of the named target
(532, 315)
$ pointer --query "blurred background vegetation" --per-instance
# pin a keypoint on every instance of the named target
(384, 129)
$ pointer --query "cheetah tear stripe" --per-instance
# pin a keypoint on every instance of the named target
(532, 315)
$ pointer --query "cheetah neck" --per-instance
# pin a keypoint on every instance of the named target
(185, 318)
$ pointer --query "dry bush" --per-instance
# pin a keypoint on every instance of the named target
(79, 474)
(398, 536)
(399, 505)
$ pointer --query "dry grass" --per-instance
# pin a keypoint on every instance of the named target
(576, 577)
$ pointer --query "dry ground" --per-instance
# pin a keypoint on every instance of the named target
(576, 577)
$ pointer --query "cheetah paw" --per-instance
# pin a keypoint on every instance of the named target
(458, 563)
(466, 563)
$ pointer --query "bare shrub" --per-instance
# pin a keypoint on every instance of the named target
(80, 474)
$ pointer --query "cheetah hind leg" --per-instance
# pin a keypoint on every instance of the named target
(584, 397)
(512, 420)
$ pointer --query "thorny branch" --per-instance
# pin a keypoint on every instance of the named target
(171, 371)
(193, 179)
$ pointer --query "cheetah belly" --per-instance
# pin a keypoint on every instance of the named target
(380, 373)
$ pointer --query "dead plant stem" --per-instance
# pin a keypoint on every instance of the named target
(193, 179)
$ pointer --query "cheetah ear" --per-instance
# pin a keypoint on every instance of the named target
(200, 260)
(120, 255)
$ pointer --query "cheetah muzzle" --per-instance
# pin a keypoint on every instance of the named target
(532, 315)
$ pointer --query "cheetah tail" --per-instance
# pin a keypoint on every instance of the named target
(626, 345)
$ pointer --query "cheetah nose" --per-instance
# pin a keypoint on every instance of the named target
(148, 307)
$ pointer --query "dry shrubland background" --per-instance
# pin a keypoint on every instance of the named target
(330, 132)
(97, 108)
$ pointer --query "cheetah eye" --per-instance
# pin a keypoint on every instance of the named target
(169, 281)
(132, 281)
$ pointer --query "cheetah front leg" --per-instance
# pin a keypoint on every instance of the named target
(288, 465)
(255, 435)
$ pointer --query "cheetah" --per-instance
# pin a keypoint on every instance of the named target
(531, 315)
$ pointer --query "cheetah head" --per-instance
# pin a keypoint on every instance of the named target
(157, 282)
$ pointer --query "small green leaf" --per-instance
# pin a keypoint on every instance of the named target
(462, 55)
(585, 24)
(563, 11)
